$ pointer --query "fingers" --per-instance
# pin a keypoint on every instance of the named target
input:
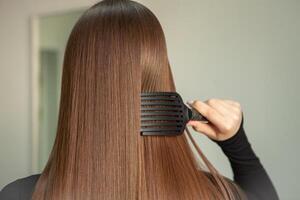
(222, 107)
(206, 129)
(212, 115)
(234, 108)
(229, 109)
(224, 116)
(235, 105)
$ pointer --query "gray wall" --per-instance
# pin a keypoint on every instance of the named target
(242, 50)
(248, 51)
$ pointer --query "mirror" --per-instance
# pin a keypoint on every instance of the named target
(51, 35)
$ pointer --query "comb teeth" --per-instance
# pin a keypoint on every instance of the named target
(162, 113)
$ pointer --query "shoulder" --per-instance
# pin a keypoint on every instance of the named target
(19, 189)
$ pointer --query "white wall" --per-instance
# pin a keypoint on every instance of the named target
(242, 50)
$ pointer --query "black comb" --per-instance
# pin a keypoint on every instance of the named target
(165, 114)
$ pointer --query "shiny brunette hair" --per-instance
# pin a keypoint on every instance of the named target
(117, 50)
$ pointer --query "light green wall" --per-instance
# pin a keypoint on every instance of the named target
(54, 31)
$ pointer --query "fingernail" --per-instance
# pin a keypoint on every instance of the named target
(190, 102)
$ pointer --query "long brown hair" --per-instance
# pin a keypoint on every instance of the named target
(117, 50)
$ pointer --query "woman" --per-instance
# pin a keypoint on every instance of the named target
(116, 51)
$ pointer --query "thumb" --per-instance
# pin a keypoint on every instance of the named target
(204, 128)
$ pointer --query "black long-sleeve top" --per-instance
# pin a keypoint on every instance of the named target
(248, 172)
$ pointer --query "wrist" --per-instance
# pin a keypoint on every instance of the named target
(236, 140)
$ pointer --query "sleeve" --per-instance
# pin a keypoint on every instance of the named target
(20, 189)
(247, 169)
(10, 191)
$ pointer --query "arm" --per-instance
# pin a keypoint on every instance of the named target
(247, 169)
(225, 127)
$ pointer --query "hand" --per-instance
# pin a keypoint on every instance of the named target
(224, 116)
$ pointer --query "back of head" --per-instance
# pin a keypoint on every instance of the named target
(116, 51)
